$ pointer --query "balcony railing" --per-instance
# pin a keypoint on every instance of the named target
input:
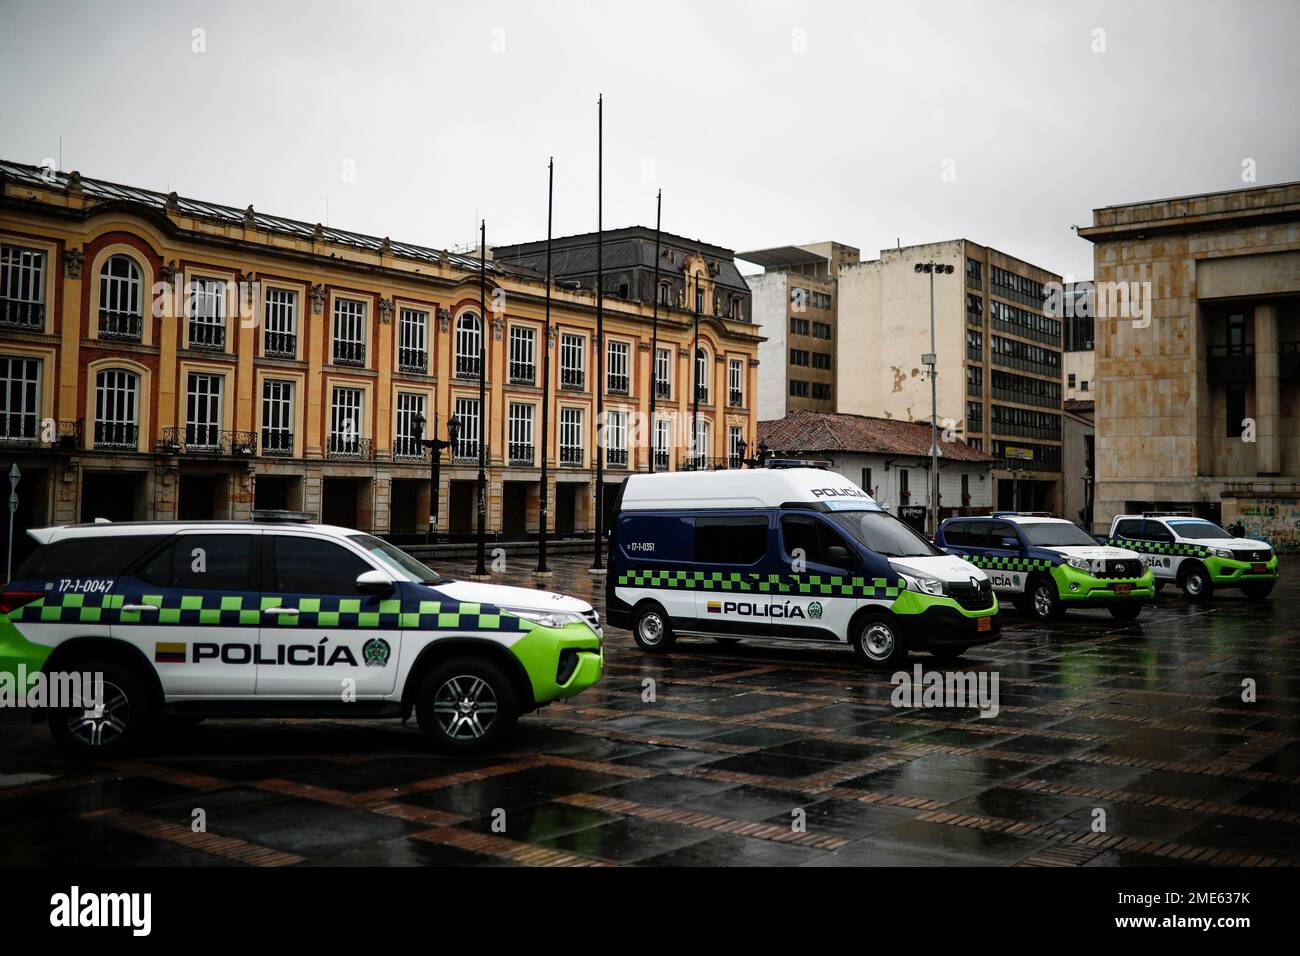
(616, 457)
(412, 360)
(705, 463)
(523, 373)
(280, 345)
(205, 335)
(22, 315)
(617, 384)
(408, 448)
(117, 435)
(572, 379)
(465, 452)
(734, 398)
(120, 326)
(206, 440)
(663, 389)
(570, 456)
(521, 453)
(661, 461)
(277, 443)
(349, 448)
(350, 353)
(702, 393)
(467, 366)
(30, 431)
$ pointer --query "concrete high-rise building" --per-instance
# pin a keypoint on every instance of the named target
(998, 357)
(796, 307)
(1080, 358)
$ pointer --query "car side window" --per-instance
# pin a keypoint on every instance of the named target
(1155, 531)
(977, 534)
(956, 533)
(302, 565)
(730, 539)
(1000, 530)
(1129, 529)
(203, 562)
(814, 538)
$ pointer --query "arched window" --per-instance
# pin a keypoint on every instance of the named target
(702, 374)
(121, 314)
(117, 409)
(469, 344)
(665, 292)
(737, 308)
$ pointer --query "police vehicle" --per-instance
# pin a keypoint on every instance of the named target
(786, 553)
(1196, 554)
(1046, 565)
(188, 620)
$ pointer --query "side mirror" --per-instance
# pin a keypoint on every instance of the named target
(839, 555)
(374, 582)
(1011, 544)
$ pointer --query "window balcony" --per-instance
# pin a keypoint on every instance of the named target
(349, 448)
(120, 326)
(523, 373)
(29, 316)
(734, 398)
(467, 366)
(663, 389)
(661, 460)
(572, 379)
(570, 456)
(352, 354)
(29, 431)
(116, 436)
(206, 440)
(616, 457)
(277, 443)
(521, 453)
(465, 453)
(280, 345)
(206, 336)
(617, 384)
(412, 360)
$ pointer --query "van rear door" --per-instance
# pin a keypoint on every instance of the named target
(732, 564)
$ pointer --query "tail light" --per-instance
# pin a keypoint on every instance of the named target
(12, 600)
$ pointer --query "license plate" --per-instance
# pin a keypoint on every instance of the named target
(1259, 568)
(1123, 588)
(984, 624)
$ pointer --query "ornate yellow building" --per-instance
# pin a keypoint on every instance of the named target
(170, 358)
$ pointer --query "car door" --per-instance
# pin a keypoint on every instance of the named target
(816, 566)
(732, 563)
(192, 608)
(321, 638)
(1005, 559)
(1160, 553)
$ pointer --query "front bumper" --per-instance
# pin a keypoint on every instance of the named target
(1232, 571)
(932, 621)
(560, 662)
(1080, 589)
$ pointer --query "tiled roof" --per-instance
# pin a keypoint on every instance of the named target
(806, 432)
(1080, 406)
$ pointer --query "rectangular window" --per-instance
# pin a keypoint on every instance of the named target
(350, 332)
(800, 327)
(730, 540)
(616, 439)
(735, 382)
(412, 341)
(117, 394)
(20, 398)
(965, 491)
(1236, 410)
(904, 487)
(1069, 380)
(523, 355)
(663, 373)
(661, 443)
(22, 288)
(346, 423)
(866, 480)
(821, 330)
(702, 375)
(521, 433)
(616, 371)
(735, 451)
(203, 411)
(821, 391)
(281, 333)
(208, 314)
(572, 362)
(798, 389)
(703, 442)
(471, 423)
(277, 417)
(406, 445)
(821, 360)
(571, 437)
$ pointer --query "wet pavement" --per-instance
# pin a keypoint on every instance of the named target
(745, 755)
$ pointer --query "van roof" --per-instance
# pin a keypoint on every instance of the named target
(110, 529)
(743, 488)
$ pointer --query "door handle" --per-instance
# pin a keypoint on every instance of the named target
(277, 611)
(139, 608)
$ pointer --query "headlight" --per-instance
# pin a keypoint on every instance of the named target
(1081, 563)
(545, 618)
(925, 585)
(1221, 552)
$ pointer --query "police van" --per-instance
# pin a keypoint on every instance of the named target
(188, 620)
(786, 554)
(1046, 565)
(1197, 555)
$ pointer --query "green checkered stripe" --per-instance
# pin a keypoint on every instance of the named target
(245, 610)
(823, 585)
(1175, 548)
(996, 562)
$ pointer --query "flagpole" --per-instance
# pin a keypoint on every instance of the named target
(546, 378)
(654, 334)
(597, 558)
(481, 566)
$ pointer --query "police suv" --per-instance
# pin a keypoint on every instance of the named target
(283, 619)
(786, 553)
(1047, 565)
(1196, 554)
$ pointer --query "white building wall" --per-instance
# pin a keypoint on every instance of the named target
(770, 298)
(886, 482)
(1083, 366)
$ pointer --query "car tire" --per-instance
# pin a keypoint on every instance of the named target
(878, 641)
(946, 655)
(1045, 602)
(651, 629)
(1195, 581)
(1257, 591)
(466, 705)
(1125, 612)
(124, 718)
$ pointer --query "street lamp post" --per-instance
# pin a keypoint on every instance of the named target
(436, 446)
(930, 361)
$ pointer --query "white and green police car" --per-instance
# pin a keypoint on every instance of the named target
(1197, 555)
(201, 619)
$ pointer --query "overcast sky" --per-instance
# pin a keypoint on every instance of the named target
(764, 122)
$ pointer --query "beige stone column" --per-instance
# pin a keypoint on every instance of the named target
(1268, 437)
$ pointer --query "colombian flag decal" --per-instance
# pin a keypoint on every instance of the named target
(715, 607)
(164, 653)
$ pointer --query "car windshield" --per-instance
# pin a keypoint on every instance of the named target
(397, 560)
(884, 534)
(1056, 534)
(1204, 530)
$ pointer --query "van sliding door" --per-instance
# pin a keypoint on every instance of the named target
(732, 565)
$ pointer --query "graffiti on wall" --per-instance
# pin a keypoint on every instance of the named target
(1275, 520)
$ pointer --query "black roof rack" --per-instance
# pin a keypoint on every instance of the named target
(280, 516)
